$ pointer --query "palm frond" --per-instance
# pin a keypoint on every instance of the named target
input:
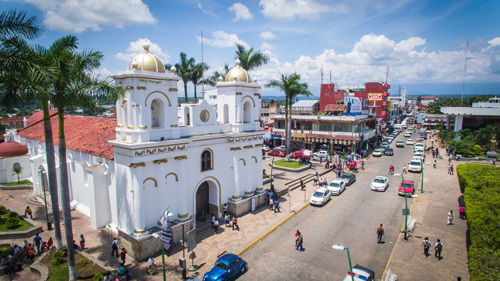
(19, 24)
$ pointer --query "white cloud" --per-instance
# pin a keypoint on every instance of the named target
(266, 46)
(80, 15)
(410, 44)
(286, 10)
(208, 11)
(241, 12)
(267, 35)
(135, 48)
(494, 42)
(224, 40)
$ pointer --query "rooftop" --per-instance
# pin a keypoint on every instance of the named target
(305, 103)
(473, 111)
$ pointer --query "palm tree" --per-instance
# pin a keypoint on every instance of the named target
(212, 80)
(24, 73)
(73, 85)
(184, 71)
(168, 67)
(17, 171)
(292, 87)
(248, 60)
(196, 75)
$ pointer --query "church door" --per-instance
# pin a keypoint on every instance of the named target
(202, 200)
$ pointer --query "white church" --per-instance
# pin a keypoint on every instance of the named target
(189, 158)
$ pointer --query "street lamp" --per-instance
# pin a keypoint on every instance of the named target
(157, 236)
(272, 166)
(42, 182)
(406, 206)
(422, 184)
(342, 248)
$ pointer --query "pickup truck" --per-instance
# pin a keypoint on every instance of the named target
(406, 186)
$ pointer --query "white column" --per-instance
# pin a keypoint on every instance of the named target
(458, 122)
(139, 216)
(182, 211)
(246, 172)
(258, 168)
(237, 179)
(119, 117)
(139, 115)
(130, 114)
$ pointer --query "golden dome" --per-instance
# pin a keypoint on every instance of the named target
(146, 61)
(238, 74)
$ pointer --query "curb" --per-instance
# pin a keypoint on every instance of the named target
(241, 252)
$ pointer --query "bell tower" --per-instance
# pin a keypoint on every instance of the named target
(148, 111)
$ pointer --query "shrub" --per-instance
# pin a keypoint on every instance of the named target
(477, 149)
(13, 222)
(57, 257)
(2, 209)
(98, 277)
(83, 261)
(12, 215)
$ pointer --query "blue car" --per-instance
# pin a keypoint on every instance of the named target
(226, 267)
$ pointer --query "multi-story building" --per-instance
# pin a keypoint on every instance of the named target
(425, 100)
(268, 110)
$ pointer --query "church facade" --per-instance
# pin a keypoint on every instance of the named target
(187, 158)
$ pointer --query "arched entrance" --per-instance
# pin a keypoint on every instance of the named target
(207, 199)
(202, 205)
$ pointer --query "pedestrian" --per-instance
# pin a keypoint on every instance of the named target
(82, 242)
(459, 278)
(299, 242)
(362, 165)
(315, 180)
(213, 220)
(449, 158)
(50, 243)
(450, 217)
(320, 183)
(297, 234)
(151, 266)
(380, 233)
(227, 220)
(390, 169)
(427, 245)
(114, 247)
(302, 186)
(38, 242)
(448, 169)
(235, 223)
(225, 209)
(451, 169)
(271, 204)
(433, 154)
(437, 152)
(29, 212)
(26, 244)
(124, 271)
(216, 226)
(123, 255)
(462, 212)
(324, 182)
(30, 252)
(404, 170)
(438, 247)
(277, 206)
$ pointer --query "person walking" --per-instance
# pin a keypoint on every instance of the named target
(438, 247)
(226, 220)
(30, 252)
(235, 223)
(427, 245)
(302, 185)
(362, 165)
(451, 170)
(277, 206)
(123, 255)
(380, 233)
(315, 180)
(124, 271)
(216, 226)
(29, 212)
(461, 209)
(38, 242)
(450, 217)
(271, 204)
(299, 241)
(151, 266)
(404, 170)
(82, 242)
(296, 236)
(225, 209)
(448, 169)
(114, 247)
(50, 243)
(325, 182)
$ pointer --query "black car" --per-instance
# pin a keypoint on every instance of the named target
(348, 178)
(389, 152)
(424, 136)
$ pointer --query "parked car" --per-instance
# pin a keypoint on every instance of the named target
(320, 196)
(323, 153)
(360, 274)
(380, 183)
(406, 186)
(266, 148)
(384, 146)
(336, 187)
(415, 166)
(400, 143)
(348, 178)
(276, 153)
(419, 153)
(281, 147)
(409, 141)
(389, 139)
(226, 267)
(300, 154)
(407, 134)
(378, 152)
(421, 140)
(384, 143)
(424, 136)
(389, 152)
(317, 157)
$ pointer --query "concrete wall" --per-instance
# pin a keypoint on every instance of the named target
(6, 165)
(244, 206)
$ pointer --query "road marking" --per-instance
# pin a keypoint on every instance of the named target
(392, 252)
(420, 201)
(324, 208)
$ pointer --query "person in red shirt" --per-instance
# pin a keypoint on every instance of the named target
(123, 255)
(50, 243)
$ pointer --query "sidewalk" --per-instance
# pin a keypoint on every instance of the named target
(441, 194)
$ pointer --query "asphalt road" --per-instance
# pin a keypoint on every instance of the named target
(350, 219)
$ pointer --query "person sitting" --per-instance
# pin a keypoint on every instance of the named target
(124, 271)
(50, 243)
(45, 247)
(4, 261)
(75, 246)
(16, 250)
(151, 266)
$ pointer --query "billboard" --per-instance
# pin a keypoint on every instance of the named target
(375, 96)
(352, 106)
(403, 97)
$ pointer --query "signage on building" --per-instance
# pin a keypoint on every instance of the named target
(403, 97)
(352, 106)
(191, 239)
(298, 135)
(375, 96)
(276, 137)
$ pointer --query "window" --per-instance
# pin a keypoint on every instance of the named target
(206, 160)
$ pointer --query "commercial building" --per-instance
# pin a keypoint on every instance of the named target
(425, 100)
(475, 117)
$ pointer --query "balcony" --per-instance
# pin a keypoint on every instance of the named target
(365, 133)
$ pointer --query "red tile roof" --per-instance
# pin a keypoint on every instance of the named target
(334, 107)
(10, 119)
(85, 134)
(38, 116)
(428, 97)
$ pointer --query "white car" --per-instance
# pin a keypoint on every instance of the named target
(281, 147)
(407, 134)
(323, 153)
(415, 166)
(389, 139)
(336, 187)
(266, 148)
(419, 154)
(379, 183)
(409, 141)
(320, 196)
(317, 157)
(417, 158)
(378, 152)
(400, 143)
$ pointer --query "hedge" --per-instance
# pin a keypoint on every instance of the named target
(481, 187)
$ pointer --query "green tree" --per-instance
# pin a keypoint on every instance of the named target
(292, 87)
(197, 70)
(214, 78)
(17, 171)
(184, 71)
(168, 67)
(250, 59)
(19, 24)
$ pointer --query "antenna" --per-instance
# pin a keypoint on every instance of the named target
(321, 70)
(330, 77)
(202, 68)
(465, 69)
(387, 74)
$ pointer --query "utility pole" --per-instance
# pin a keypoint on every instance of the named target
(330, 77)
(321, 72)
(387, 74)
(465, 69)
(202, 68)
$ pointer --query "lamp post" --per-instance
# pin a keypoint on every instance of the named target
(422, 184)
(157, 236)
(42, 182)
(406, 206)
(342, 248)
(272, 166)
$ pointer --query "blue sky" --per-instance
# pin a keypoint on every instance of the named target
(423, 42)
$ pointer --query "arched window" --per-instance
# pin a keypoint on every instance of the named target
(206, 160)
(186, 116)
(226, 114)
(247, 114)
(157, 114)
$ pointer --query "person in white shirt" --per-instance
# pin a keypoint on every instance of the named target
(151, 265)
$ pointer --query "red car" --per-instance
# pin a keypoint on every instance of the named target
(300, 154)
(276, 153)
(408, 187)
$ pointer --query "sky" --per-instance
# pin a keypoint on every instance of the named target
(420, 45)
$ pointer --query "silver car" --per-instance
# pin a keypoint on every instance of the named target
(336, 187)
(320, 196)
